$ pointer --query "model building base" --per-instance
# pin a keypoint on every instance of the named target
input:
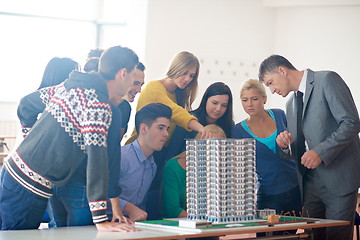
(193, 223)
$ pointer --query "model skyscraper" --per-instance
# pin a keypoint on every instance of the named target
(221, 180)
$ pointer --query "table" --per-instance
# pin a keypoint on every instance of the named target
(147, 233)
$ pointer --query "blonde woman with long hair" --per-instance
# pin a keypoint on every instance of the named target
(178, 91)
(278, 186)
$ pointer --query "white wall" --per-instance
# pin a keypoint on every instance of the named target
(322, 38)
(227, 36)
(232, 37)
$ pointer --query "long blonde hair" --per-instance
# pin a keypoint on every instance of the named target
(212, 128)
(182, 63)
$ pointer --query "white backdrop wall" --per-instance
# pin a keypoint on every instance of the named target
(227, 36)
(231, 38)
(322, 38)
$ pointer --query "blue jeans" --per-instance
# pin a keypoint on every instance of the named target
(19, 208)
(69, 206)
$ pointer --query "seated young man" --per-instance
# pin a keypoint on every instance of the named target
(137, 163)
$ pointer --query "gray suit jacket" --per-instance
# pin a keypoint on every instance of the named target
(331, 126)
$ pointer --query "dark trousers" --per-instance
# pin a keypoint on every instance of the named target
(19, 208)
(283, 203)
(153, 200)
(319, 202)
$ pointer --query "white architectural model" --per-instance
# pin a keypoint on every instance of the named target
(220, 180)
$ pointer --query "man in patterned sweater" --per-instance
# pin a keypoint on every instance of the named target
(73, 126)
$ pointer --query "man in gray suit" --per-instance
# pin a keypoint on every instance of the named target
(323, 139)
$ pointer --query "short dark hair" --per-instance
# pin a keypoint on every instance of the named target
(141, 66)
(149, 113)
(95, 53)
(271, 63)
(92, 64)
(116, 58)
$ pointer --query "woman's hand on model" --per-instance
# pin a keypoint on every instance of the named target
(205, 134)
(196, 126)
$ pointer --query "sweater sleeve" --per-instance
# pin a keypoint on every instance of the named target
(155, 92)
(95, 127)
(31, 106)
(171, 194)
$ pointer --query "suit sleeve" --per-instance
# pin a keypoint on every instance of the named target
(343, 110)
